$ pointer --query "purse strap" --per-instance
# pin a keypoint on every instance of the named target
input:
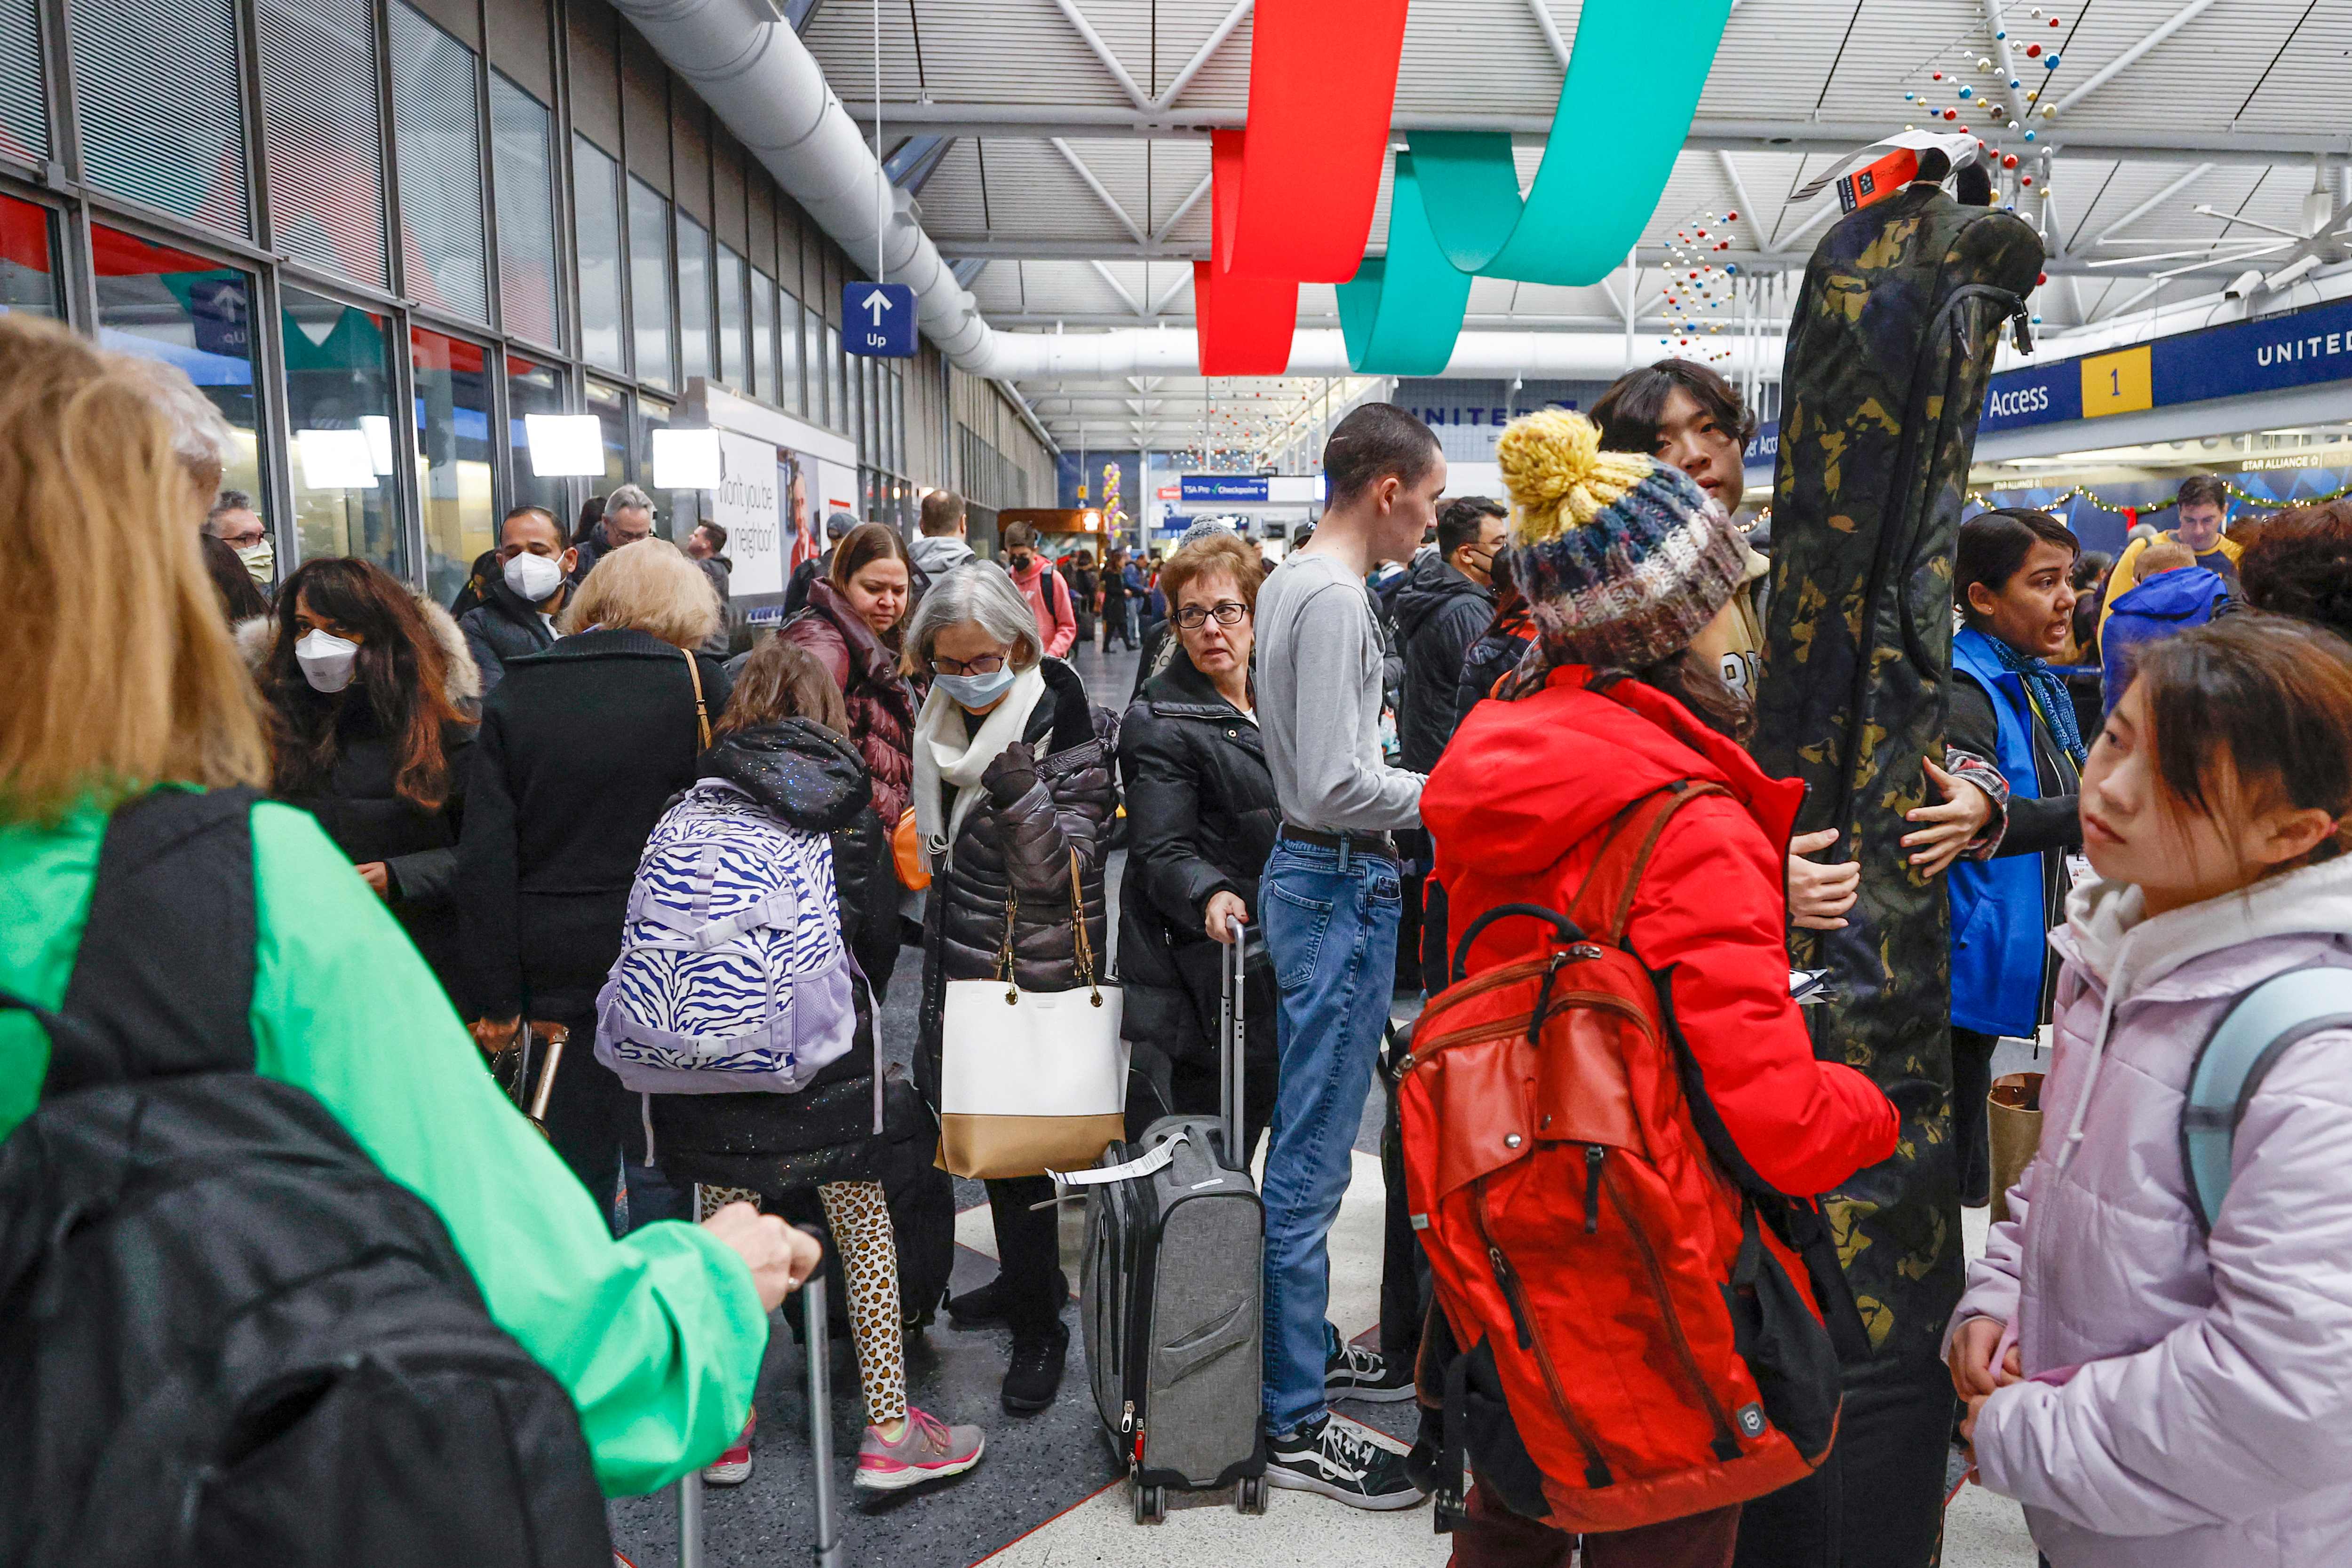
(1085, 945)
(702, 708)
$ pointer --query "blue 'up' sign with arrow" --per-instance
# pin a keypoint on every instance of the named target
(881, 317)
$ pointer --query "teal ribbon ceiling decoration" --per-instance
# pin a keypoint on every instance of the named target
(1633, 83)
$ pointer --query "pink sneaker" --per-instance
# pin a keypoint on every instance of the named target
(733, 1468)
(926, 1450)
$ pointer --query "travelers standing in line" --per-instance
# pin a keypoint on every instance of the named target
(2299, 563)
(837, 527)
(1445, 603)
(1332, 902)
(1041, 586)
(782, 761)
(519, 603)
(851, 628)
(2017, 605)
(627, 516)
(370, 693)
(1201, 820)
(123, 672)
(1013, 779)
(2203, 509)
(1085, 588)
(2175, 595)
(1633, 571)
(940, 548)
(706, 546)
(581, 747)
(240, 600)
(2160, 1372)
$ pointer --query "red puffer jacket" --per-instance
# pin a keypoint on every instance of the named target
(881, 704)
(1518, 806)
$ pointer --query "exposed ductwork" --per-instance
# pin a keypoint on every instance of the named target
(753, 68)
(1322, 351)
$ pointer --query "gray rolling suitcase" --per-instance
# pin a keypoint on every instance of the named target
(1170, 1301)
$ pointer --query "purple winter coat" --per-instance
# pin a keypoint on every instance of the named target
(2209, 1421)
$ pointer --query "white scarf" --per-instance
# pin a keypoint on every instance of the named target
(943, 753)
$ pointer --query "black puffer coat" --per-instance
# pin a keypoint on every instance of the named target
(1438, 612)
(810, 778)
(1049, 793)
(1203, 817)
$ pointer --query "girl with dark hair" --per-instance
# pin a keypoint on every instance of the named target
(2159, 1372)
(781, 759)
(851, 628)
(240, 598)
(368, 687)
(2013, 584)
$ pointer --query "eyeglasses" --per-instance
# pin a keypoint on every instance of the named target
(1192, 617)
(986, 665)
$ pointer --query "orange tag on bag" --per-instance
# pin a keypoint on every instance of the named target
(907, 852)
(1882, 178)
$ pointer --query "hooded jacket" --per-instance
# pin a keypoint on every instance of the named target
(1201, 817)
(1495, 652)
(502, 625)
(802, 775)
(939, 554)
(362, 811)
(1016, 842)
(2162, 606)
(1049, 602)
(1518, 808)
(2208, 1419)
(1436, 612)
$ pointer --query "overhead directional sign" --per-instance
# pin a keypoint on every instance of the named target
(881, 317)
(1219, 487)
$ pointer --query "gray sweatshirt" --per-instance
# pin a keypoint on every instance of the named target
(1319, 685)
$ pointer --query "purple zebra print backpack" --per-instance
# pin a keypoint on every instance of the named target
(732, 976)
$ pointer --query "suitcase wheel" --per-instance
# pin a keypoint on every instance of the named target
(1150, 1505)
(1249, 1494)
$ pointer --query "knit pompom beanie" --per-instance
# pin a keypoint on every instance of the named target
(1628, 556)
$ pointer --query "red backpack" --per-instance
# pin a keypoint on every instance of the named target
(1623, 1339)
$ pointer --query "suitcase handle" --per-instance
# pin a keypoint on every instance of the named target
(1230, 1038)
(1558, 921)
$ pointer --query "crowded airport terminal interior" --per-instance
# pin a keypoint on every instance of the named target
(1211, 783)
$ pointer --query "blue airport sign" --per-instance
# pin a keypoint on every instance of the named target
(2238, 359)
(881, 320)
(1221, 487)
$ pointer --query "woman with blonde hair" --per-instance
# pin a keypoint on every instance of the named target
(165, 911)
(581, 747)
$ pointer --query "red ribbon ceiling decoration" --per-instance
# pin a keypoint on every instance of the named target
(1294, 189)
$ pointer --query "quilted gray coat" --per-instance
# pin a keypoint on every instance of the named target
(2207, 1422)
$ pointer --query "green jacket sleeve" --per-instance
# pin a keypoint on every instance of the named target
(658, 1336)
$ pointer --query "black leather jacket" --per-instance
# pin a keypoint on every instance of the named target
(1049, 794)
(1203, 817)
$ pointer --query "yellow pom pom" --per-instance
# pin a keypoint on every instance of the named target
(1556, 473)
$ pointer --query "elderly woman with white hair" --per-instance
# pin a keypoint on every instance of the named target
(1013, 796)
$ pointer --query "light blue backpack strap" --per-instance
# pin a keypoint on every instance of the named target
(2258, 1030)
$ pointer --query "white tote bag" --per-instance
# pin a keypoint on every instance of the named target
(1031, 1081)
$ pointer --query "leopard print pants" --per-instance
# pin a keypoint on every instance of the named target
(860, 1221)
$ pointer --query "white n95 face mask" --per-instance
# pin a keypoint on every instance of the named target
(326, 660)
(535, 578)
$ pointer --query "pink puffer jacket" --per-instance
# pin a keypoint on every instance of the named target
(2207, 1419)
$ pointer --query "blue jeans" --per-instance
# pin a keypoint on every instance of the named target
(1330, 918)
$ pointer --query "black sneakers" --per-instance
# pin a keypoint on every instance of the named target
(1354, 1373)
(1034, 1375)
(1339, 1462)
(981, 1304)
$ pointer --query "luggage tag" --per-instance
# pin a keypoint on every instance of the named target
(1102, 1176)
(1891, 164)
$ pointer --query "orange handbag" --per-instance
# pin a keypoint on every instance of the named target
(907, 850)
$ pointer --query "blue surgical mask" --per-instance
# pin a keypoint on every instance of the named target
(976, 692)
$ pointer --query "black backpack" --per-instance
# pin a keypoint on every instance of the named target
(224, 1335)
